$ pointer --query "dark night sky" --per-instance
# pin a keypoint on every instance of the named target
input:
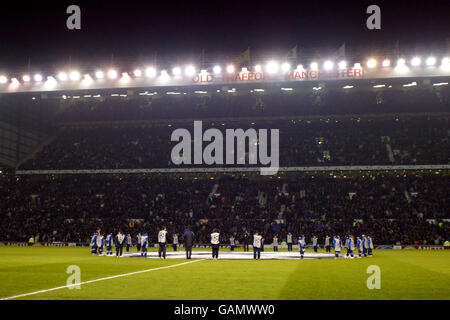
(133, 29)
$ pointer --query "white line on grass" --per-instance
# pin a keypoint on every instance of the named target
(101, 279)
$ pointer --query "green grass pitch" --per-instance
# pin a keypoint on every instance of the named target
(412, 274)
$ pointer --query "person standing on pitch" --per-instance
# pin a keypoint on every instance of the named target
(120, 238)
(109, 243)
(315, 244)
(100, 243)
(138, 242)
(232, 243)
(175, 242)
(359, 246)
(364, 245)
(94, 243)
(370, 246)
(337, 246)
(143, 245)
(162, 239)
(188, 242)
(275, 243)
(128, 242)
(350, 246)
(301, 245)
(215, 237)
(289, 241)
(257, 244)
(327, 244)
(246, 241)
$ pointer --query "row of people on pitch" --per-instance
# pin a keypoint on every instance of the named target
(257, 244)
(98, 241)
(364, 245)
(162, 242)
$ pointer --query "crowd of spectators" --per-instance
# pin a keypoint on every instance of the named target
(245, 103)
(389, 140)
(392, 208)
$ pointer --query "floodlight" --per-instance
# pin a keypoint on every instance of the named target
(137, 73)
(62, 76)
(190, 71)
(3, 79)
(99, 74)
(26, 78)
(272, 67)
(328, 65)
(150, 72)
(445, 64)
(112, 74)
(14, 83)
(285, 67)
(342, 64)
(37, 77)
(74, 76)
(386, 63)
(217, 69)
(415, 62)
(314, 66)
(176, 71)
(372, 63)
(230, 68)
(431, 61)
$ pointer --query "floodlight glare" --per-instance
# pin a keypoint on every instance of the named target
(372, 63)
(112, 74)
(137, 73)
(74, 76)
(445, 64)
(3, 79)
(285, 67)
(51, 82)
(230, 68)
(176, 71)
(386, 63)
(401, 62)
(190, 71)
(431, 61)
(37, 77)
(314, 66)
(99, 74)
(150, 72)
(14, 83)
(87, 79)
(272, 67)
(342, 65)
(26, 78)
(415, 62)
(62, 76)
(300, 67)
(258, 68)
(217, 69)
(328, 65)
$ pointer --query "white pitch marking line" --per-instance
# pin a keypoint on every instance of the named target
(101, 279)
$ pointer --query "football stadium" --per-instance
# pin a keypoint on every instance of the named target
(242, 176)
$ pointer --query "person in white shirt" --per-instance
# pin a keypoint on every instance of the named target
(289, 241)
(120, 240)
(315, 244)
(327, 244)
(337, 246)
(215, 241)
(162, 239)
(232, 243)
(175, 242)
(275, 243)
(143, 245)
(257, 244)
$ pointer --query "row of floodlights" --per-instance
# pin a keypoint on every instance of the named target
(272, 67)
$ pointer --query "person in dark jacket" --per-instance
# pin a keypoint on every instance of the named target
(188, 242)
